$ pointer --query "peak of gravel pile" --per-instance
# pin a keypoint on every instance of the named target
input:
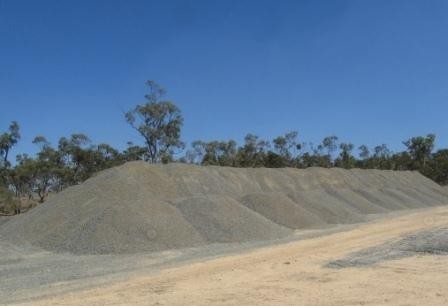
(140, 207)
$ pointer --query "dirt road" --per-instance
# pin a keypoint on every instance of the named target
(293, 274)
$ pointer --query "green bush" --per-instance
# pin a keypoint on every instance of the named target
(8, 204)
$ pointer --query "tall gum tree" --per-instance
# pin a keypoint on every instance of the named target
(159, 122)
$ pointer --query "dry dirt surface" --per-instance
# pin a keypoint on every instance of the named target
(297, 273)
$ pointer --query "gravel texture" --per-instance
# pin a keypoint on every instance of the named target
(140, 207)
(28, 273)
(3, 220)
(428, 242)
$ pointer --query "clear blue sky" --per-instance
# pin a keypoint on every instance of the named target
(368, 71)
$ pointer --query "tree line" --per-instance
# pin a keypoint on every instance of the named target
(159, 122)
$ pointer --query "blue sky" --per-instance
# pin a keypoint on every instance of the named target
(368, 71)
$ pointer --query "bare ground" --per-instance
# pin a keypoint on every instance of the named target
(291, 273)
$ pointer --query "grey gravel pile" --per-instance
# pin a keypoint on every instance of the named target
(3, 220)
(140, 207)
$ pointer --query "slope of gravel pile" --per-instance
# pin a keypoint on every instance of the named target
(3, 220)
(427, 242)
(139, 207)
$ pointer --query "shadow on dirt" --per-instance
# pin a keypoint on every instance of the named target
(427, 242)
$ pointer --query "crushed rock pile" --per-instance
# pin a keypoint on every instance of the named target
(138, 207)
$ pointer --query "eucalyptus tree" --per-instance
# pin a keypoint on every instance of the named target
(346, 159)
(253, 152)
(135, 152)
(159, 122)
(420, 149)
(195, 155)
(438, 166)
(7, 141)
(287, 147)
(330, 143)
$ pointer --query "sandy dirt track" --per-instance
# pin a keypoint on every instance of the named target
(293, 274)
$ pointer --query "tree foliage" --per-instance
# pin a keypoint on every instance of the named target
(420, 149)
(8, 140)
(75, 158)
(159, 122)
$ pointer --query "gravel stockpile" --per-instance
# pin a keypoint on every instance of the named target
(285, 211)
(224, 219)
(3, 220)
(428, 242)
(140, 207)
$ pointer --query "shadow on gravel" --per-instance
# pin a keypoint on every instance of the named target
(427, 242)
